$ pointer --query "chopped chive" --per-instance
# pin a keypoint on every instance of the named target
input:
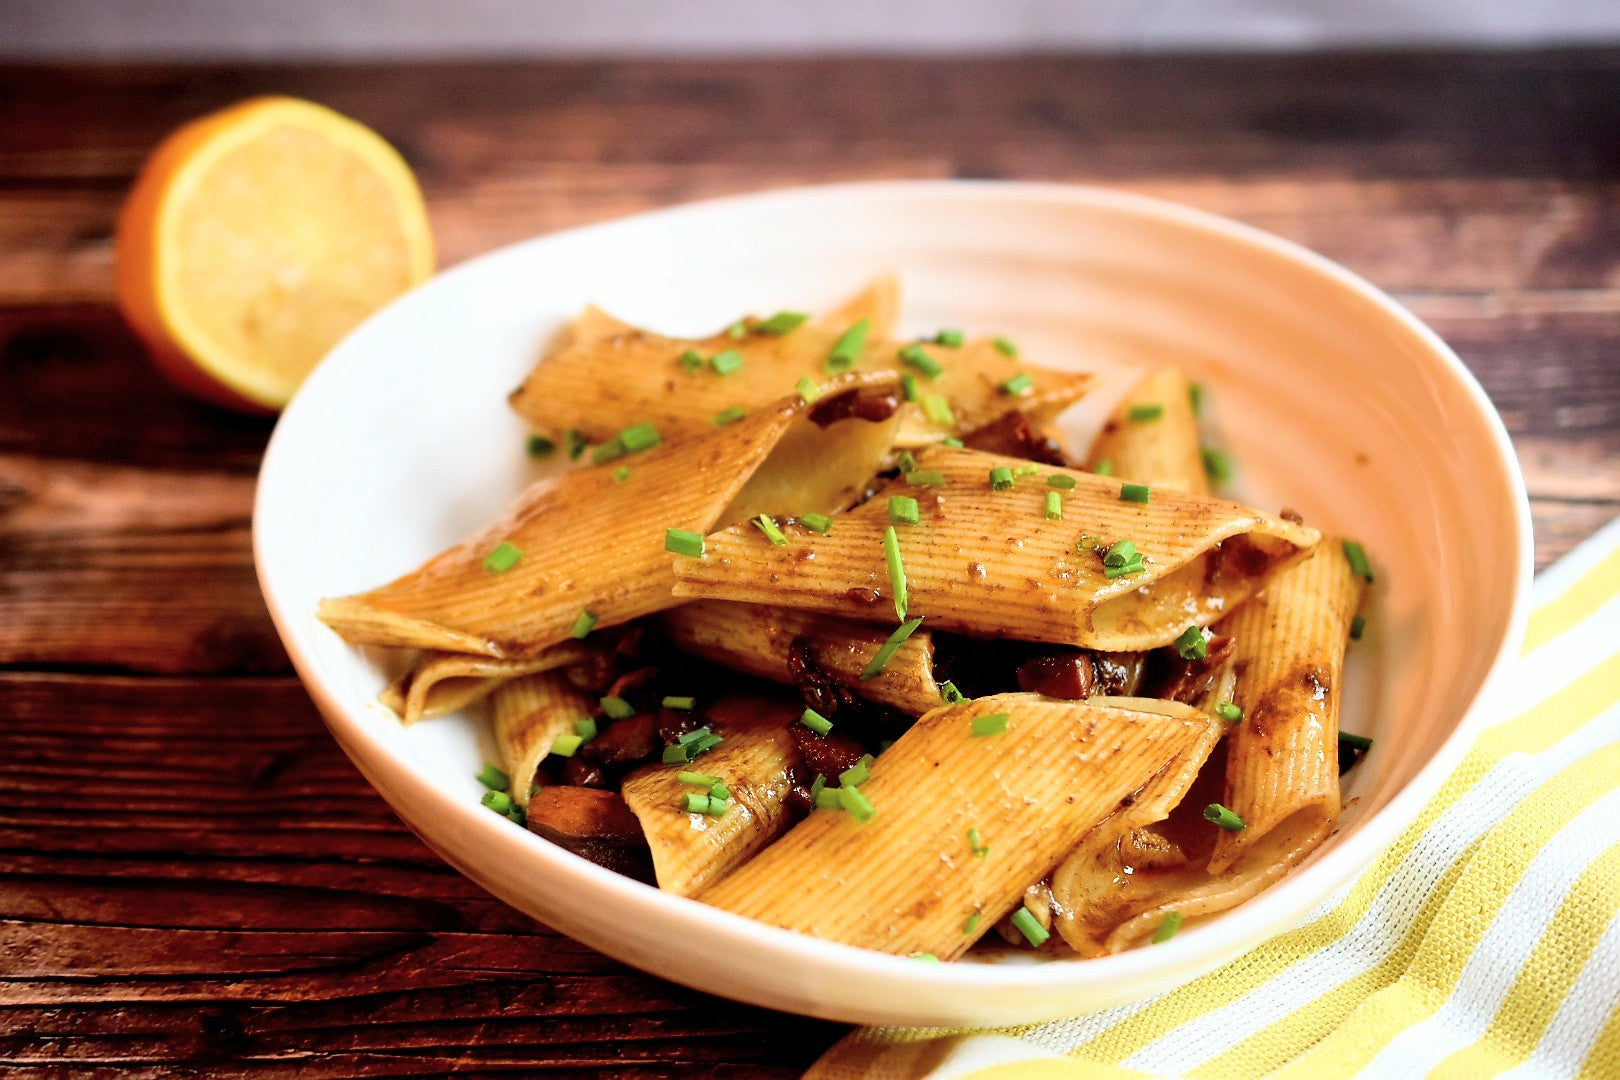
(1358, 626)
(772, 533)
(729, 415)
(1136, 493)
(989, 724)
(952, 441)
(683, 702)
(1029, 469)
(718, 790)
(827, 799)
(498, 801)
(494, 778)
(1119, 553)
(951, 338)
(1229, 711)
(925, 957)
(1020, 385)
(1141, 414)
(1086, 543)
(1167, 927)
(540, 446)
(584, 623)
(886, 651)
(905, 462)
(1061, 482)
(565, 745)
(691, 360)
(1054, 506)
(856, 775)
(809, 390)
(817, 523)
(815, 721)
(638, 437)
(1355, 742)
(949, 694)
(897, 572)
(976, 844)
(971, 926)
(925, 478)
(503, 558)
(585, 728)
(1105, 467)
(694, 802)
(938, 411)
(1217, 814)
(676, 755)
(607, 451)
(684, 542)
(616, 708)
(846, 351)
(1357, 555)
(783, 322)
(858, 806)
(724, 363)
(1005, 346)
(695, 735)
(908, 386)
(738, 329)
(903, 511)
(816, 785)
(574, 441)
(621, 474)
(1001, 478)
(1192, 644)
(1030, 927)
(705, 744)
(1128, 569)
(1217, 466)
(915, 356)
(1195, 398)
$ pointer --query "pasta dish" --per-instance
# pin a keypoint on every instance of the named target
(830, 629)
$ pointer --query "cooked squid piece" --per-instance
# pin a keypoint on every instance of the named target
(611, 374)
(586, 540)
(907, 879)
(757, 639)
(1282, 764)
(1152, 437)
(444, 682)
(990, 562)
(692, 850)
(528, 715)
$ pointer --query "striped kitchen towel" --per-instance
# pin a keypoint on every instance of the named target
(1485, 942)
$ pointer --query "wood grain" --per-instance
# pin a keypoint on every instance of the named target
(194, 881)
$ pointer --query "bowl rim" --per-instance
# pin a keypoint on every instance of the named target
(1196, 950)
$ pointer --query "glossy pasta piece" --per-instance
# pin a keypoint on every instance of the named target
(906, 880)
(610, 374)
(691, 851)
(1160, 449)
(755, 639)
(528, 714)
(972, 383)
(991, 563)
(444, 682)
(1282, 766)
(588, 542)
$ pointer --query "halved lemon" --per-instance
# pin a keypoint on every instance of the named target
(259, 235)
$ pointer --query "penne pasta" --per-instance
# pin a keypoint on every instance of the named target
(991, 563)
(973, 383)
(907, 880)
(528, 714)
(691, 851)
(585, 542)
(448, 682)
(756, 639)
(1152, 437)
(1282, 766)
(593, 326)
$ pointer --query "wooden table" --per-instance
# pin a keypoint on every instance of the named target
(194, 881)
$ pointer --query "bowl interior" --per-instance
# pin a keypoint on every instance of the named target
(1331, 401)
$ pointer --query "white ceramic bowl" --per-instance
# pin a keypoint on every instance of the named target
(1334, 400)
